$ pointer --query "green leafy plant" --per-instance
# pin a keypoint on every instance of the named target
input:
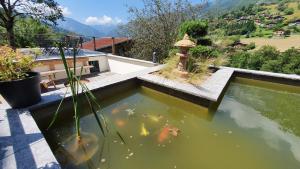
(76, 86)
(81, 145)
(196, 29)
(203, 52)
(289, 11)
(14, 65)
(250, 46)
(268, 58)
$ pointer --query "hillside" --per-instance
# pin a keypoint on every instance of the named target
(260, 20)
(216, 7)
(273, 9)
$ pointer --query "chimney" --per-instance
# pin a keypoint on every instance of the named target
(113, 46)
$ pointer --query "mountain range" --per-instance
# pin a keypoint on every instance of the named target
(214, 6)
(71, 25)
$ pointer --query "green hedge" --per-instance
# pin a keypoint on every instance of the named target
(203, 52)
(268, 59)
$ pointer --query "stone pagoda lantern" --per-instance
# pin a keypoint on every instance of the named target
(184, 45)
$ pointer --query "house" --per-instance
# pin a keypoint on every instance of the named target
(279, 33)
(115, 45)
(278, 18)
(295, 23)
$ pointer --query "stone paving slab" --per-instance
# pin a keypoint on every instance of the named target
(22, 145)
(211, 89)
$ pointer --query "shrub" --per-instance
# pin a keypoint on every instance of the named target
(272, 66)
(239, 60)
(289, 11)
(14, 65)
(240, 28)
(295, 29)
(204, 42)
(250, 46)
(287, 32)
(194, 28)
(268, 59)
(230, 41)
(203, 52)
(291, 61)
(268, 53)
(282, 6)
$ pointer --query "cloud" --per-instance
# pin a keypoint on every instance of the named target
(65, 11)
(103, 20)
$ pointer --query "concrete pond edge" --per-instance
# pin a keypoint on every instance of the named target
(22, 144)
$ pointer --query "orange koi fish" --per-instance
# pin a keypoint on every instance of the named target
(164, 134)
(115, 111)
(120, 123)
(119, 109)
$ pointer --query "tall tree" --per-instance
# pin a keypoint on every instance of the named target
(154, 27)
(47, 11)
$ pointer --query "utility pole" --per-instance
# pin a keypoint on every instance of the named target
(94, 41)
(113, 46)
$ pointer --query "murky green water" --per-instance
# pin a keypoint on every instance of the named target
(255, 127)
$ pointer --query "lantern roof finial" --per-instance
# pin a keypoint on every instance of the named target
(185, 42)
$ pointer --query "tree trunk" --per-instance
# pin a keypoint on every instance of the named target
(11, 34)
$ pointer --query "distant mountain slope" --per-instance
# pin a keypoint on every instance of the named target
(107, 30)
(72, 25)
(218, 6)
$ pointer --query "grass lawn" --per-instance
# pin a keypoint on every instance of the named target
(282, 44)
(294, 5)
(296, 14)
(272, 8)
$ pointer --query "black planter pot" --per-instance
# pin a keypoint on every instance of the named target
(22, 93)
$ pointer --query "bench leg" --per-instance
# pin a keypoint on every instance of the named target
(52, 81)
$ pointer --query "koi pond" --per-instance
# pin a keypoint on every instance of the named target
(256, 126)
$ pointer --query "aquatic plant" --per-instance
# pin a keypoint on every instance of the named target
(77, 87)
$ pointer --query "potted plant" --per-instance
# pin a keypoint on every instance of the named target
(19, 86)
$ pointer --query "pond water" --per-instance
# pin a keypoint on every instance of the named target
(257, 126)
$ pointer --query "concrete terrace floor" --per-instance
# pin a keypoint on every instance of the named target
(86, 78)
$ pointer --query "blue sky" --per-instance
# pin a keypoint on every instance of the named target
(100, 12)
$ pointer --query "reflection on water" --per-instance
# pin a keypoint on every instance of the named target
(248, 118)
(272, 109)
(164, 132)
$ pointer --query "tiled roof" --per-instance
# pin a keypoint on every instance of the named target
(103, 42)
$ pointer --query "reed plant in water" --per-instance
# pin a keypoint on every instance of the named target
(82, 146)
(77, 88)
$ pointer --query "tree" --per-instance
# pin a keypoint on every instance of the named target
(154, 28)
(282, 6)
(46, 11)
(32, 33)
